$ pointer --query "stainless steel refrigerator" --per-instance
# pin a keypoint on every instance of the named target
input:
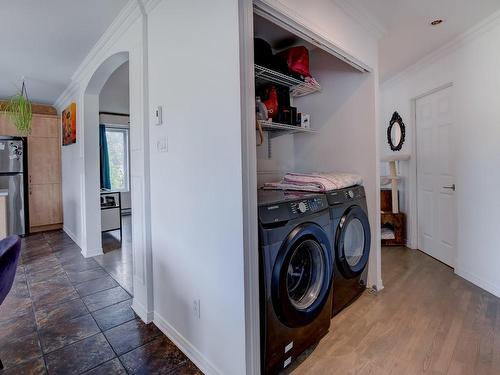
(12, 178)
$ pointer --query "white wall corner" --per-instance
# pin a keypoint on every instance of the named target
(186, 346)
(73, 236)
(89, 253)
(149, 5)
(480, 282)
(147, 316)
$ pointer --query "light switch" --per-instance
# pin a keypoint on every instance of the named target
(162, 144)
(159, 115)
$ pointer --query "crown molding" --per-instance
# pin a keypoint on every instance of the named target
(461, 40)
(363, 17)
(127, 16)
(149, 5)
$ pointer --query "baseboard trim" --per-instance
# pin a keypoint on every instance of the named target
(71, 235)
(142, 312)
(92, 253)
(185, 346)
(483, 284)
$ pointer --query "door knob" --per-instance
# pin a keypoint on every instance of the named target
(452, 187)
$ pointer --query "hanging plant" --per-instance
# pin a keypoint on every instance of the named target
(19, 111)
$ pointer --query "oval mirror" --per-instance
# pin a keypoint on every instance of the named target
(396, 132)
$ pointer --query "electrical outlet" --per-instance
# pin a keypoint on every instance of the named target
(196, 309)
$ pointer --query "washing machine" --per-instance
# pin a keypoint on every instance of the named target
(351, 239)
(296, 267)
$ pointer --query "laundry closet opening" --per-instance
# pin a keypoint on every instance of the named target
(315, 123)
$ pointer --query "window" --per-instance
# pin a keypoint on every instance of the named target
(117, 139)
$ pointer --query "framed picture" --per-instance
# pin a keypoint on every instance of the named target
(68, 121)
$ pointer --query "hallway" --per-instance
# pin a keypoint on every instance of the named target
(117, 257)
(66, 315)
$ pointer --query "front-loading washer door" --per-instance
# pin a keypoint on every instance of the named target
(352, 242)
(302, 275)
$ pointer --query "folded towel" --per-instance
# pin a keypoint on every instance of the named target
(326, 181)
(317, 182)
(290, 186)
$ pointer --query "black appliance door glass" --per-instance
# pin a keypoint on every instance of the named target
(354, 242)
(306, 274)
(302, 275)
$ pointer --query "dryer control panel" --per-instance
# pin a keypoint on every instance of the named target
(285, 211)
(345, 195)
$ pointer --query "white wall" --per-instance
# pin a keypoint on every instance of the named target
(114, 96)
(344, 114)
(196, 186)
(471, 64)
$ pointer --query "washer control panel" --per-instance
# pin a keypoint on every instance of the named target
(307, 206)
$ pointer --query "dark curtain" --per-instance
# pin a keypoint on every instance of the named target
(103, 148)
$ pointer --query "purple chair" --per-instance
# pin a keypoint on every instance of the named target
(10, 248)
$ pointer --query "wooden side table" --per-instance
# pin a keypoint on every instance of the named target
(397, 222)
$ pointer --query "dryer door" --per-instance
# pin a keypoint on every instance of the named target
(302, 275)
(352, 242)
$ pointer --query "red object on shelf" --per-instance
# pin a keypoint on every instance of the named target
(297, 59)
(271, 102)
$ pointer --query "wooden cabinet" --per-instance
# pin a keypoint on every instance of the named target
(44, 170)
(44, 174)
(7, 128)
(44, 164)
(44, 212)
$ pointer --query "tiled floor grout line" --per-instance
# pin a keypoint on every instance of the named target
(92, 315)
(44, 240)
(36, 323)
(111, 346)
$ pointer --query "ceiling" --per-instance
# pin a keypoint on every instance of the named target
(45, 41)
(406, 35)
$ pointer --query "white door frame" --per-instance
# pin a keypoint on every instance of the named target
(413, 168)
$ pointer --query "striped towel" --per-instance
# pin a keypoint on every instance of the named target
(316, 182)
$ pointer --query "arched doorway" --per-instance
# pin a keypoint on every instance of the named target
(139, 174)
(92, 183)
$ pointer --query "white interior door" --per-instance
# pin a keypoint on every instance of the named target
(435, 176)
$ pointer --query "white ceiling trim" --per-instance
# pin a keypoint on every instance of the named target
(363, 17)
(127, 16)
(461, 40)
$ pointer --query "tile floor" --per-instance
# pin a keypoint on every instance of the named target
(66, 315)
(117, 257)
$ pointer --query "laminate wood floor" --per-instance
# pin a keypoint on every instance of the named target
(426, 320)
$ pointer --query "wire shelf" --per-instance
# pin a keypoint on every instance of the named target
(297, 87)
(278, 127)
